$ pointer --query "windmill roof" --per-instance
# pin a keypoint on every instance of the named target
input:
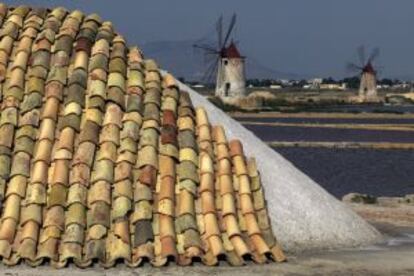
(231, 51)
(368, 68)
(103, 158)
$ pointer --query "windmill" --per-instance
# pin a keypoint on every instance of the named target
(368, 83)
(225, 63)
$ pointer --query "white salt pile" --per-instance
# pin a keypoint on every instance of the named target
(303, 214)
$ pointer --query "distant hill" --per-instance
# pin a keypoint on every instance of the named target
(182, 60)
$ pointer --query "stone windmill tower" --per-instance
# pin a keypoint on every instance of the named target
(227, 64)
(368, 84)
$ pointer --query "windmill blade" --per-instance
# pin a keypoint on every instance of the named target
(211, 71)
(352, 68)
(361, 54)
(205, 47)
(219, 28)
(231, 26)
(209, 56)
(374, 54)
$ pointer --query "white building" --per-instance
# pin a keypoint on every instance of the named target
(368, 85)
(231, 81)
(275, 86)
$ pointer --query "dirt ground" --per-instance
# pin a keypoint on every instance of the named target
(394, 256)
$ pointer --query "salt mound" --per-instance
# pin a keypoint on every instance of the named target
(303, 214)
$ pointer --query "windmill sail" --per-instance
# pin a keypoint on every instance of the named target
(361, 55)
(219, 28)
(368, 83)
(231, 26)
(375, 53)
(224, 62)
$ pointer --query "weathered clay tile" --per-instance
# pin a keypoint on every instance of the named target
(57, 195)
(89, 132)
(105, 31)
(171, 92)
(128, 145)
(151, 112)
(117, 64)
(103, 170)
(136, 78)
(186, 139)
(143, 210)
(64, 43)
(149, 137)
(98, 60)
(84, 41)
(9, 29)
(101, 46)
(147, 156)
(188, 170)
(152, 96)
(143, 232)
(142, 192)
(156, 85)
(38, 72)
(169, 135)
(99, 191)
(123, 188)
(152, 76)
(134, 103)
(103, 159)
(109, 133)
(151, 123)
(169, 82)
(116, 96)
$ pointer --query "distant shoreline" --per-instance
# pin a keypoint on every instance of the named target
(334, 115)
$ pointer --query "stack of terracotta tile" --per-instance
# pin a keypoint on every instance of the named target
(103, 159)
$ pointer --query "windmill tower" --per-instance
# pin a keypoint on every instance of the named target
(227, 63)
(231, 81)
(368, 82)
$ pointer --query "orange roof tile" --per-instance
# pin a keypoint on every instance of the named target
(103, 159)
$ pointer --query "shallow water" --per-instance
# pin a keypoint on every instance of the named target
(342, 171)
(329, 120)
(364, 108)
(287, 133)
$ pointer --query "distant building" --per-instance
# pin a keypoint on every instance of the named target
(284, 81)
(275, 86)
(320, 83)
(231, 80)
(368, 85)
(198, 86)
(313, 83)
(403, 85)
(332, 86)
(383, 86)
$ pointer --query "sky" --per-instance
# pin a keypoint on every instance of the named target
(308, 37)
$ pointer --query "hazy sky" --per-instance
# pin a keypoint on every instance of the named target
(313, 37)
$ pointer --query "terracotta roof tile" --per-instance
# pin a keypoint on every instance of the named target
(103, 159)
